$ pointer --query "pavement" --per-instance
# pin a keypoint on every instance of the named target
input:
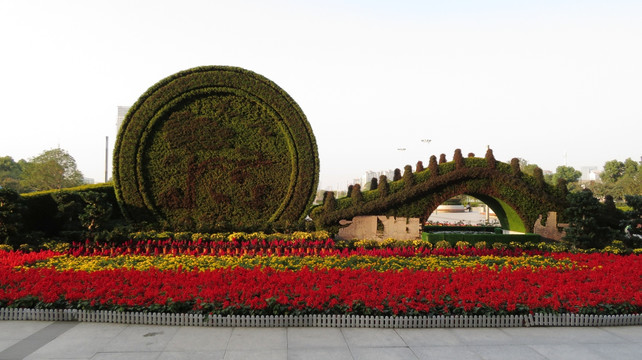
(97, 341)
(474, 217)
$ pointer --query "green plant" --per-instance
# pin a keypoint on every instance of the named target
(384, 187)
(5, 247)
(517, 200)
(56, 246)
(215, 149)
(10, 215)
(96, 212)
(462, 245)
(373, 184)
(397, 175)
(458, 159)
(422, 243)
(433, 166)
(408, 177)
(586, 227)
(367, 244)
(356, 195)
(442, 244)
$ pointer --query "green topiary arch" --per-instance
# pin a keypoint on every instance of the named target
(215, 148)
(516, 198)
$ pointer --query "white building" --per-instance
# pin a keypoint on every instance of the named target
(122, 112)
(367, 177)
(590, 173)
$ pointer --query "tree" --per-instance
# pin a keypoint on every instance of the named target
(629, 168)
(613, 170)
(568, 173)
(619, 179)
(10, 173)
(635, 203)
(53, 169)
(586, 221)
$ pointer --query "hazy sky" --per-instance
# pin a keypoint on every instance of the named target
(554, 82)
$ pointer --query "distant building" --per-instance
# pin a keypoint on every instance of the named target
(367, 177)
(88, 181)
(589, 173)
(122, 112)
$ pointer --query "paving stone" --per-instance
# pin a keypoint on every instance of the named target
(372, 337)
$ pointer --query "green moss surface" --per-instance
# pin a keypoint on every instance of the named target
(215, 148)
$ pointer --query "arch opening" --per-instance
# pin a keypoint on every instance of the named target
(477, 209)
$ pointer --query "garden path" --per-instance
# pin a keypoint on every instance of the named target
(71, 340)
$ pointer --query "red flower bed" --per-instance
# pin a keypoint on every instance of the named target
(604, 284)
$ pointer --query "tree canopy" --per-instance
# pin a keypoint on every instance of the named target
(619, 179)
(10, 172)
(567, 173)
(53, 169)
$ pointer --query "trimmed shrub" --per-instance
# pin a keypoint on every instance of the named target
(490, 158)
(459, 159)
(215, 148)
(374, 184)
(515, 168)
(397, 175)
(442, 159)
(433, 166)
(384, 188)
(538, 174)
(420, 166)
(329, 202)
(356, 195)
(408, 177)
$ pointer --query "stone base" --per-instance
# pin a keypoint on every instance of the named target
(552, 230)
(380, 228)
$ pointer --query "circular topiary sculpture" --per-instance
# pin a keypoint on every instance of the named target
(215, 148)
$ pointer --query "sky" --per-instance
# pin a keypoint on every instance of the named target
(553, 82)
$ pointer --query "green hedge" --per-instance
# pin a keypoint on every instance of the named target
(214, 149)
(518, 199)
(42, 210)
(473, 238)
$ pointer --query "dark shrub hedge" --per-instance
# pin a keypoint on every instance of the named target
(215, 148)
(54, 211)
(473, 238)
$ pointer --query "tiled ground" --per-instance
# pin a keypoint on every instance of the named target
(57, 340)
